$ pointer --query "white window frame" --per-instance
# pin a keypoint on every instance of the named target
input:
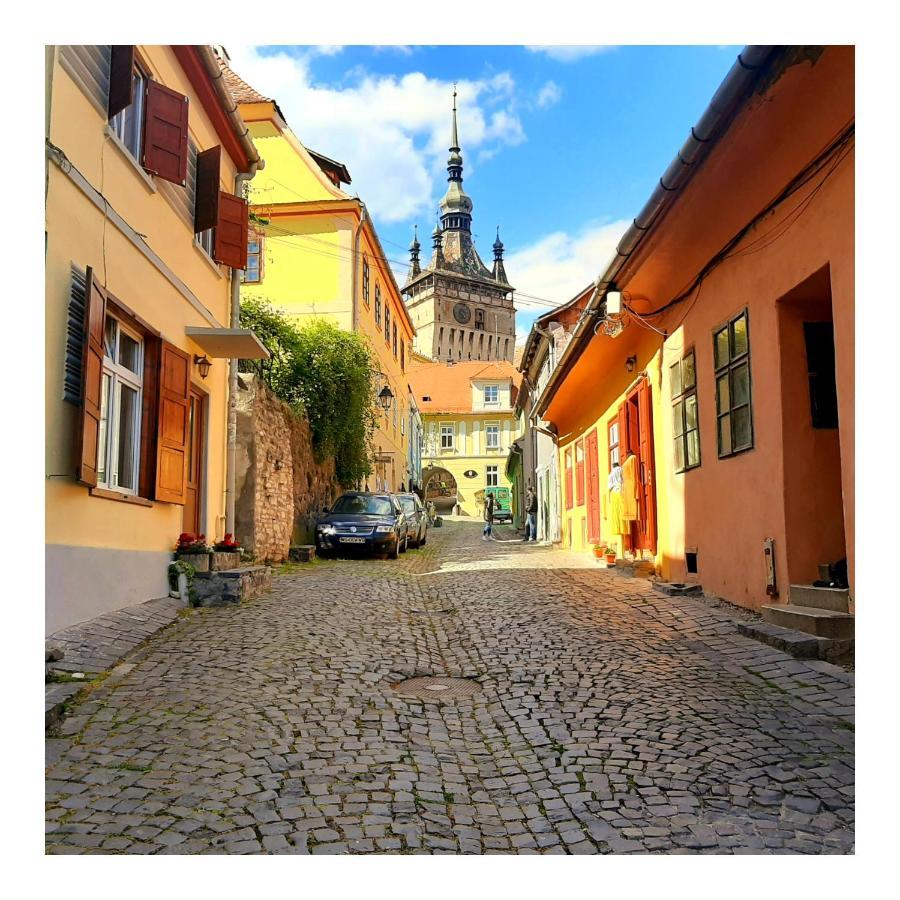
(492, 472)
(120, 375)
(448, 430)
(206, 241)
(132, 139)
(491, 429)
(495, 390)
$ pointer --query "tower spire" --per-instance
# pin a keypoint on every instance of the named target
(456, 207)
(454, 136)
(499, 272)
(414, 248)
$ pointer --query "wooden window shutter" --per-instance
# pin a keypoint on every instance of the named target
(166, 133)
(624, 444)
(92, 380)
(172, 427)
(206, 195)
(232, 230)
(121, 79)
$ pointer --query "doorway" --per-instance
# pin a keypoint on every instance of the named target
(192, 517)
(635, 420)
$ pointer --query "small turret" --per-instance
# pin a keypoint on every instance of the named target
(499, 272)
(414, 248)
(438, 242)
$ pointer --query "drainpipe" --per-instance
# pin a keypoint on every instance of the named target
(354, 275)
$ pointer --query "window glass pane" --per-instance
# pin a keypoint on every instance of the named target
(724, 435)
(109, 337)
(743, 432)
(253, 247)
(614, 434)
(129, 353)
(127, 437)
(688, 372)
(739, 328)
(723, 395)
(675, 376)
(740, 384)
(693, 448)
(679, 454)
(721, 348)
(102, 477)
(690, 411)
(678, 418)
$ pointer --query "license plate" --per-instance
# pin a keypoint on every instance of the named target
(353, 540)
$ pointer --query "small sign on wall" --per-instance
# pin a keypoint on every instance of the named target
(470, 473)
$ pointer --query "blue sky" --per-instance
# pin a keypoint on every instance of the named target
(561, 146)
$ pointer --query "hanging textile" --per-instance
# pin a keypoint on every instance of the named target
(630, 488)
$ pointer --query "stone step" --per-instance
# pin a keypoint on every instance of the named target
(835, 599)
(231, 586)
(797, 643)
(812, 620)
(56, 695)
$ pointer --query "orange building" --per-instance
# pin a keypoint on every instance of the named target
(717, 349)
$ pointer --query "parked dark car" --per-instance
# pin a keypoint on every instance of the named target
(416, 518)
(363, 521)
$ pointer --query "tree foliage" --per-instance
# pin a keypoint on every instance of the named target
(325, 373)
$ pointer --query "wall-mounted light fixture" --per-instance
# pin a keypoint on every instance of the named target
(630, 363)
(385, 398)
(204, 364)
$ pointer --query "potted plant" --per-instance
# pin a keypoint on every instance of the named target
(226, 553)
(192, 548)
(607, 552)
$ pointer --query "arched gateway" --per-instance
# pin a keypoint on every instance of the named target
(440, 487)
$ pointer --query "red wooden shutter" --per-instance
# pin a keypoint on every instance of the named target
(91, 380)
(121, 79)
(579, 473)
(172, 428)
(166, 133)
(593, 486)
(568, 478)
(231, 231)
(206, 199)
(624, 445)
(645, 454)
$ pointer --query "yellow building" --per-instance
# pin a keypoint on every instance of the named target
(469, 421)
(143, 235)
(314, 253)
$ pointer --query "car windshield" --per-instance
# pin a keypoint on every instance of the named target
(408, 504)
(354, 504)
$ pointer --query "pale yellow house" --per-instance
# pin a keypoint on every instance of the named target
(314, 253)
(145, 229)
(469, 423)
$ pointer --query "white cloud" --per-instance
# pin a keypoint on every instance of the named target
(392, 131)
(568, 52)
(549, 94)
(559, 265)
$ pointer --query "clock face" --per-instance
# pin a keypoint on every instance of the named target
(462, 313)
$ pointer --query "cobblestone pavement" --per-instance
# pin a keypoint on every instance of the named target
(610, 718)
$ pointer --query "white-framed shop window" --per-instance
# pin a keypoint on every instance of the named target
(492, 476)
(492, 436)
(119, 440)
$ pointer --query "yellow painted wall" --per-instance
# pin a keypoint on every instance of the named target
(76, 233)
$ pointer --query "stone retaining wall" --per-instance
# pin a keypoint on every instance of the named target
(280, 488)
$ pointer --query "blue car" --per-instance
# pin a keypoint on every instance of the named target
(361, 521)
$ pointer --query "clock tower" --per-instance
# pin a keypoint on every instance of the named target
(461, 309)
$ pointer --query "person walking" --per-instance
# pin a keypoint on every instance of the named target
(489, 504)
(530, 516)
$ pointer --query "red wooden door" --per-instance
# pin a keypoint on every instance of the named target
(593, 486)
(647, 473)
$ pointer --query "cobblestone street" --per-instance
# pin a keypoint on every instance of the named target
(609, 718)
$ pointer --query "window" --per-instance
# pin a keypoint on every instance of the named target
(579, 473)
(253, 273)
(685, 419)
(479, 319)
(823, 407)
(378, 306)
(365, 281)
(492, 476)
(119, 437)
(394, 338)
(207, 241)
(402, 357)
(491, 394)
(387, 324)
(731, 351)
(128, 125)
(447, 435)
(613, 443)
(568, 477)
(492, 436)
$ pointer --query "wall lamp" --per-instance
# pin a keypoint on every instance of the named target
(204, 364)
(630, 363)
(385, 398)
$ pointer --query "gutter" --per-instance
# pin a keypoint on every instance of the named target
(354, 274)
(715, 121)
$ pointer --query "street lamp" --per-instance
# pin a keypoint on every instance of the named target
(385, 398)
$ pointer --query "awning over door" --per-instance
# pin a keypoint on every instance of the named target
(227, 343)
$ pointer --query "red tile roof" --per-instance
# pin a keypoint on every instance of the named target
(449, 387)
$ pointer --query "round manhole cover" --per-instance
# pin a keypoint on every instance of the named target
(429, 688)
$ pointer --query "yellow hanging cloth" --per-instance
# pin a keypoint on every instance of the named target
(617, 523)
(630, 489)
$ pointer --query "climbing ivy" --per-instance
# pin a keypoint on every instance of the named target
(325, 373)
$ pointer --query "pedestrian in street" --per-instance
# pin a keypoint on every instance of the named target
(530, 516)
(489, 504)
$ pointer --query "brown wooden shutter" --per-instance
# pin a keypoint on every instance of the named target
(91, 380)
(206, 194)
(172, 429)
(232, 231)
(121, 79)
(166, 133)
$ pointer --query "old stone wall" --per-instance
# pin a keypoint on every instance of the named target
(280, 488)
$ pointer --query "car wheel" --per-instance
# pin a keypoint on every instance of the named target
(405, 546)
(393, 553)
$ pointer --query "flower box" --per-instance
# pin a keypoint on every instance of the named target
(223, 560)
(199, 560)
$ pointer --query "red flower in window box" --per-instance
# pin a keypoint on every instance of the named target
(191, 543)
(227, 544)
